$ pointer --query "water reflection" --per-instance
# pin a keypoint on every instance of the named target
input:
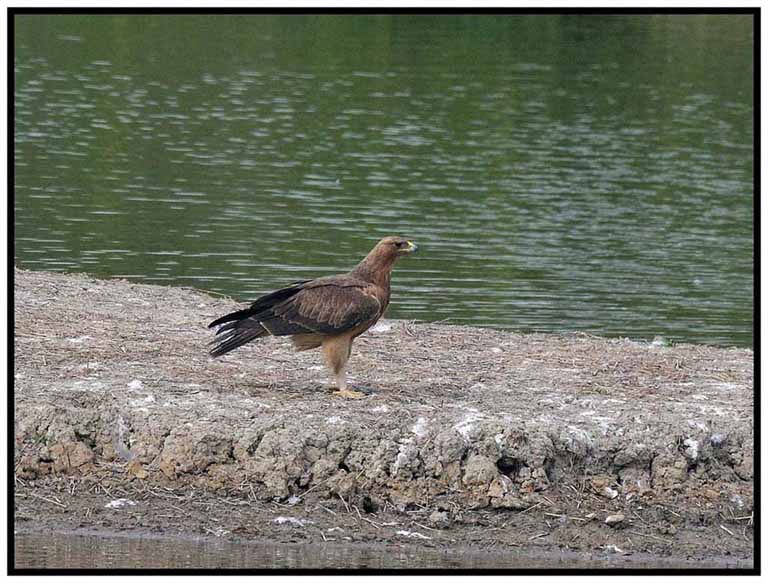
(560, 173)
(111, 551)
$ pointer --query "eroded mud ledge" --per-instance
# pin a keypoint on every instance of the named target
(547, 435)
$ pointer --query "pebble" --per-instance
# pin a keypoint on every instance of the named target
(136, 469)
(710, 493)
(691, 451)
(614, 519)
(669, 529)
(609, 493)
(600, 482)
(717, 440)
(439, 519)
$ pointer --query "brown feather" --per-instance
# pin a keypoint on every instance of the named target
(306, 341)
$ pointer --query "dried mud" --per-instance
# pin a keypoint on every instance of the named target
(468, 437)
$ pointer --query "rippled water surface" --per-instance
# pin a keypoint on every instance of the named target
(560, 173)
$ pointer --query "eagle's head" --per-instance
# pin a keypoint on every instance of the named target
(378, 264)
(395, 247)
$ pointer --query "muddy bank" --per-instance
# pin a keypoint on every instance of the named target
(468, 437)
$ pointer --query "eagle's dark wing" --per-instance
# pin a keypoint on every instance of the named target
(327, 306)
(261, 304)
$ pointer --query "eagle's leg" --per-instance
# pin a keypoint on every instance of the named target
(336, 352)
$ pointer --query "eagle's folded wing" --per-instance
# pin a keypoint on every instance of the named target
(324, 307)
(327, 309)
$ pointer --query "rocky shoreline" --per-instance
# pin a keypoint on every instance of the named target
(469, 436)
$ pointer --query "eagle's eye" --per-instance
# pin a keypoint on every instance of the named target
(400, 244)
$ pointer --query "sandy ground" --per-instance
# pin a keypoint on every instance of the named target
(468, 437)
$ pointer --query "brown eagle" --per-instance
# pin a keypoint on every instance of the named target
(328, 312)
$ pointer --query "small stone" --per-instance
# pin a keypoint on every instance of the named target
(609, 493)
(439, 519)
(510, 502)
(135, 469)
(68, 457)
(477, 501)
(499, 487)
(710, 493)
(669, 529)
(718, 439)
(614, 520)
(600, 482)
(691, 451)
(479, 470)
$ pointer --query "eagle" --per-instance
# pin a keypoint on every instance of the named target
(327, 312)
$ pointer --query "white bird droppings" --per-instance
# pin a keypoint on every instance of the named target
(290, 520)
(420, 427)
(119, 503)
(141, 402)
(381, 327)
(691, 449)
(410, 534)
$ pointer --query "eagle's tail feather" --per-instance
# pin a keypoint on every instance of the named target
(235, 338)
(231, 317)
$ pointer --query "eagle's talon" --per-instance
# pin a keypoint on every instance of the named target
(347, 394)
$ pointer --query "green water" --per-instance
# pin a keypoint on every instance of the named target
(559, 173)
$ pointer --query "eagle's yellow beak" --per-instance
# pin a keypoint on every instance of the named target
(412, 247)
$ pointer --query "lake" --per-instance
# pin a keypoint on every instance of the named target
(560, 172)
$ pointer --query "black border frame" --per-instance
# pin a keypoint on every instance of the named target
(11, 12)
